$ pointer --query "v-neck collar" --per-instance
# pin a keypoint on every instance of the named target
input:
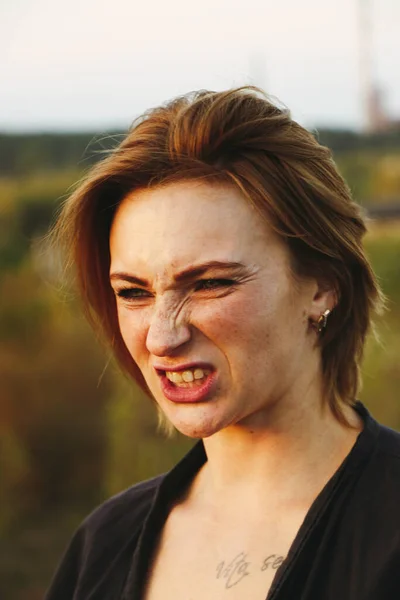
(179, 478)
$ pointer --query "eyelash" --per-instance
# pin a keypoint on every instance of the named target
(201, 285)
(204, 284)
(131, 293)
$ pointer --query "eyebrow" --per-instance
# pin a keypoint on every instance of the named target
(186, 275)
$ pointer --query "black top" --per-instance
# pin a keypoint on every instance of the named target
(348, 547)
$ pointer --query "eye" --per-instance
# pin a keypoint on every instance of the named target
(132, 293)
(214, 284)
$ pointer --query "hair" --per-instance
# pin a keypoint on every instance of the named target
(238, 137)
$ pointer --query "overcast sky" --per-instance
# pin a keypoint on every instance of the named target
(91, 64)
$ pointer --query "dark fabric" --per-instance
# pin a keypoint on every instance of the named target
(348, 547)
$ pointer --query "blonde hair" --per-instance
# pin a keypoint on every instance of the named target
(238, 137)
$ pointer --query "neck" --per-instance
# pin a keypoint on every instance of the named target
(288, 453)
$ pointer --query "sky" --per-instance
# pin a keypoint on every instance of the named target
(96, 65)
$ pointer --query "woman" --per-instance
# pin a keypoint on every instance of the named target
(219, 251)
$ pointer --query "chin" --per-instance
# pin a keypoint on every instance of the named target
(195, 421)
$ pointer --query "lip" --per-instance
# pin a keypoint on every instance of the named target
(190, 365)
(188, 395)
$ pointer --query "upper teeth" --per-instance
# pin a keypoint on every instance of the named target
(186, 376)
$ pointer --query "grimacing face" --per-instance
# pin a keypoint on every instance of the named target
(208, 308)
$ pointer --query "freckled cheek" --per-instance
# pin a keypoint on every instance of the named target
(234, 319)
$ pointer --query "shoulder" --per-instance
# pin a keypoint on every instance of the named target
(128, 507)
(99, 553)
(118, 520)
(378, 446)
(388, 444)
(385, 463)
(373, 472)
(371, 516)
(378, 485)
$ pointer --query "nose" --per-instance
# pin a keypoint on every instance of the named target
(167, 331)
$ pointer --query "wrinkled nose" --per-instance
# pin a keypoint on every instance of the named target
(167, 332)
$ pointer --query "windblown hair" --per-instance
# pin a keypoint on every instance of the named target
(237, 137)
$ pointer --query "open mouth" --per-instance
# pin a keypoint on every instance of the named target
(192, 383)
(188, 378)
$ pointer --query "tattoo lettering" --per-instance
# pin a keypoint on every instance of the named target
(272, 562)
(234, 571)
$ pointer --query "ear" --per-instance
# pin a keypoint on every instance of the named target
(325, 297)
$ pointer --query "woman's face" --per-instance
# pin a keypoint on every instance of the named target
(208, 308)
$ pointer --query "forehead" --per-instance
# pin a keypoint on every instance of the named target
(171, 227)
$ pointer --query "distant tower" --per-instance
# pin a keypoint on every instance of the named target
(374, 115)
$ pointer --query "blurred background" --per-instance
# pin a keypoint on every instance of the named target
(74, 75)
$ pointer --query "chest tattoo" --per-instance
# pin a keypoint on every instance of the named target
(234, 571)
